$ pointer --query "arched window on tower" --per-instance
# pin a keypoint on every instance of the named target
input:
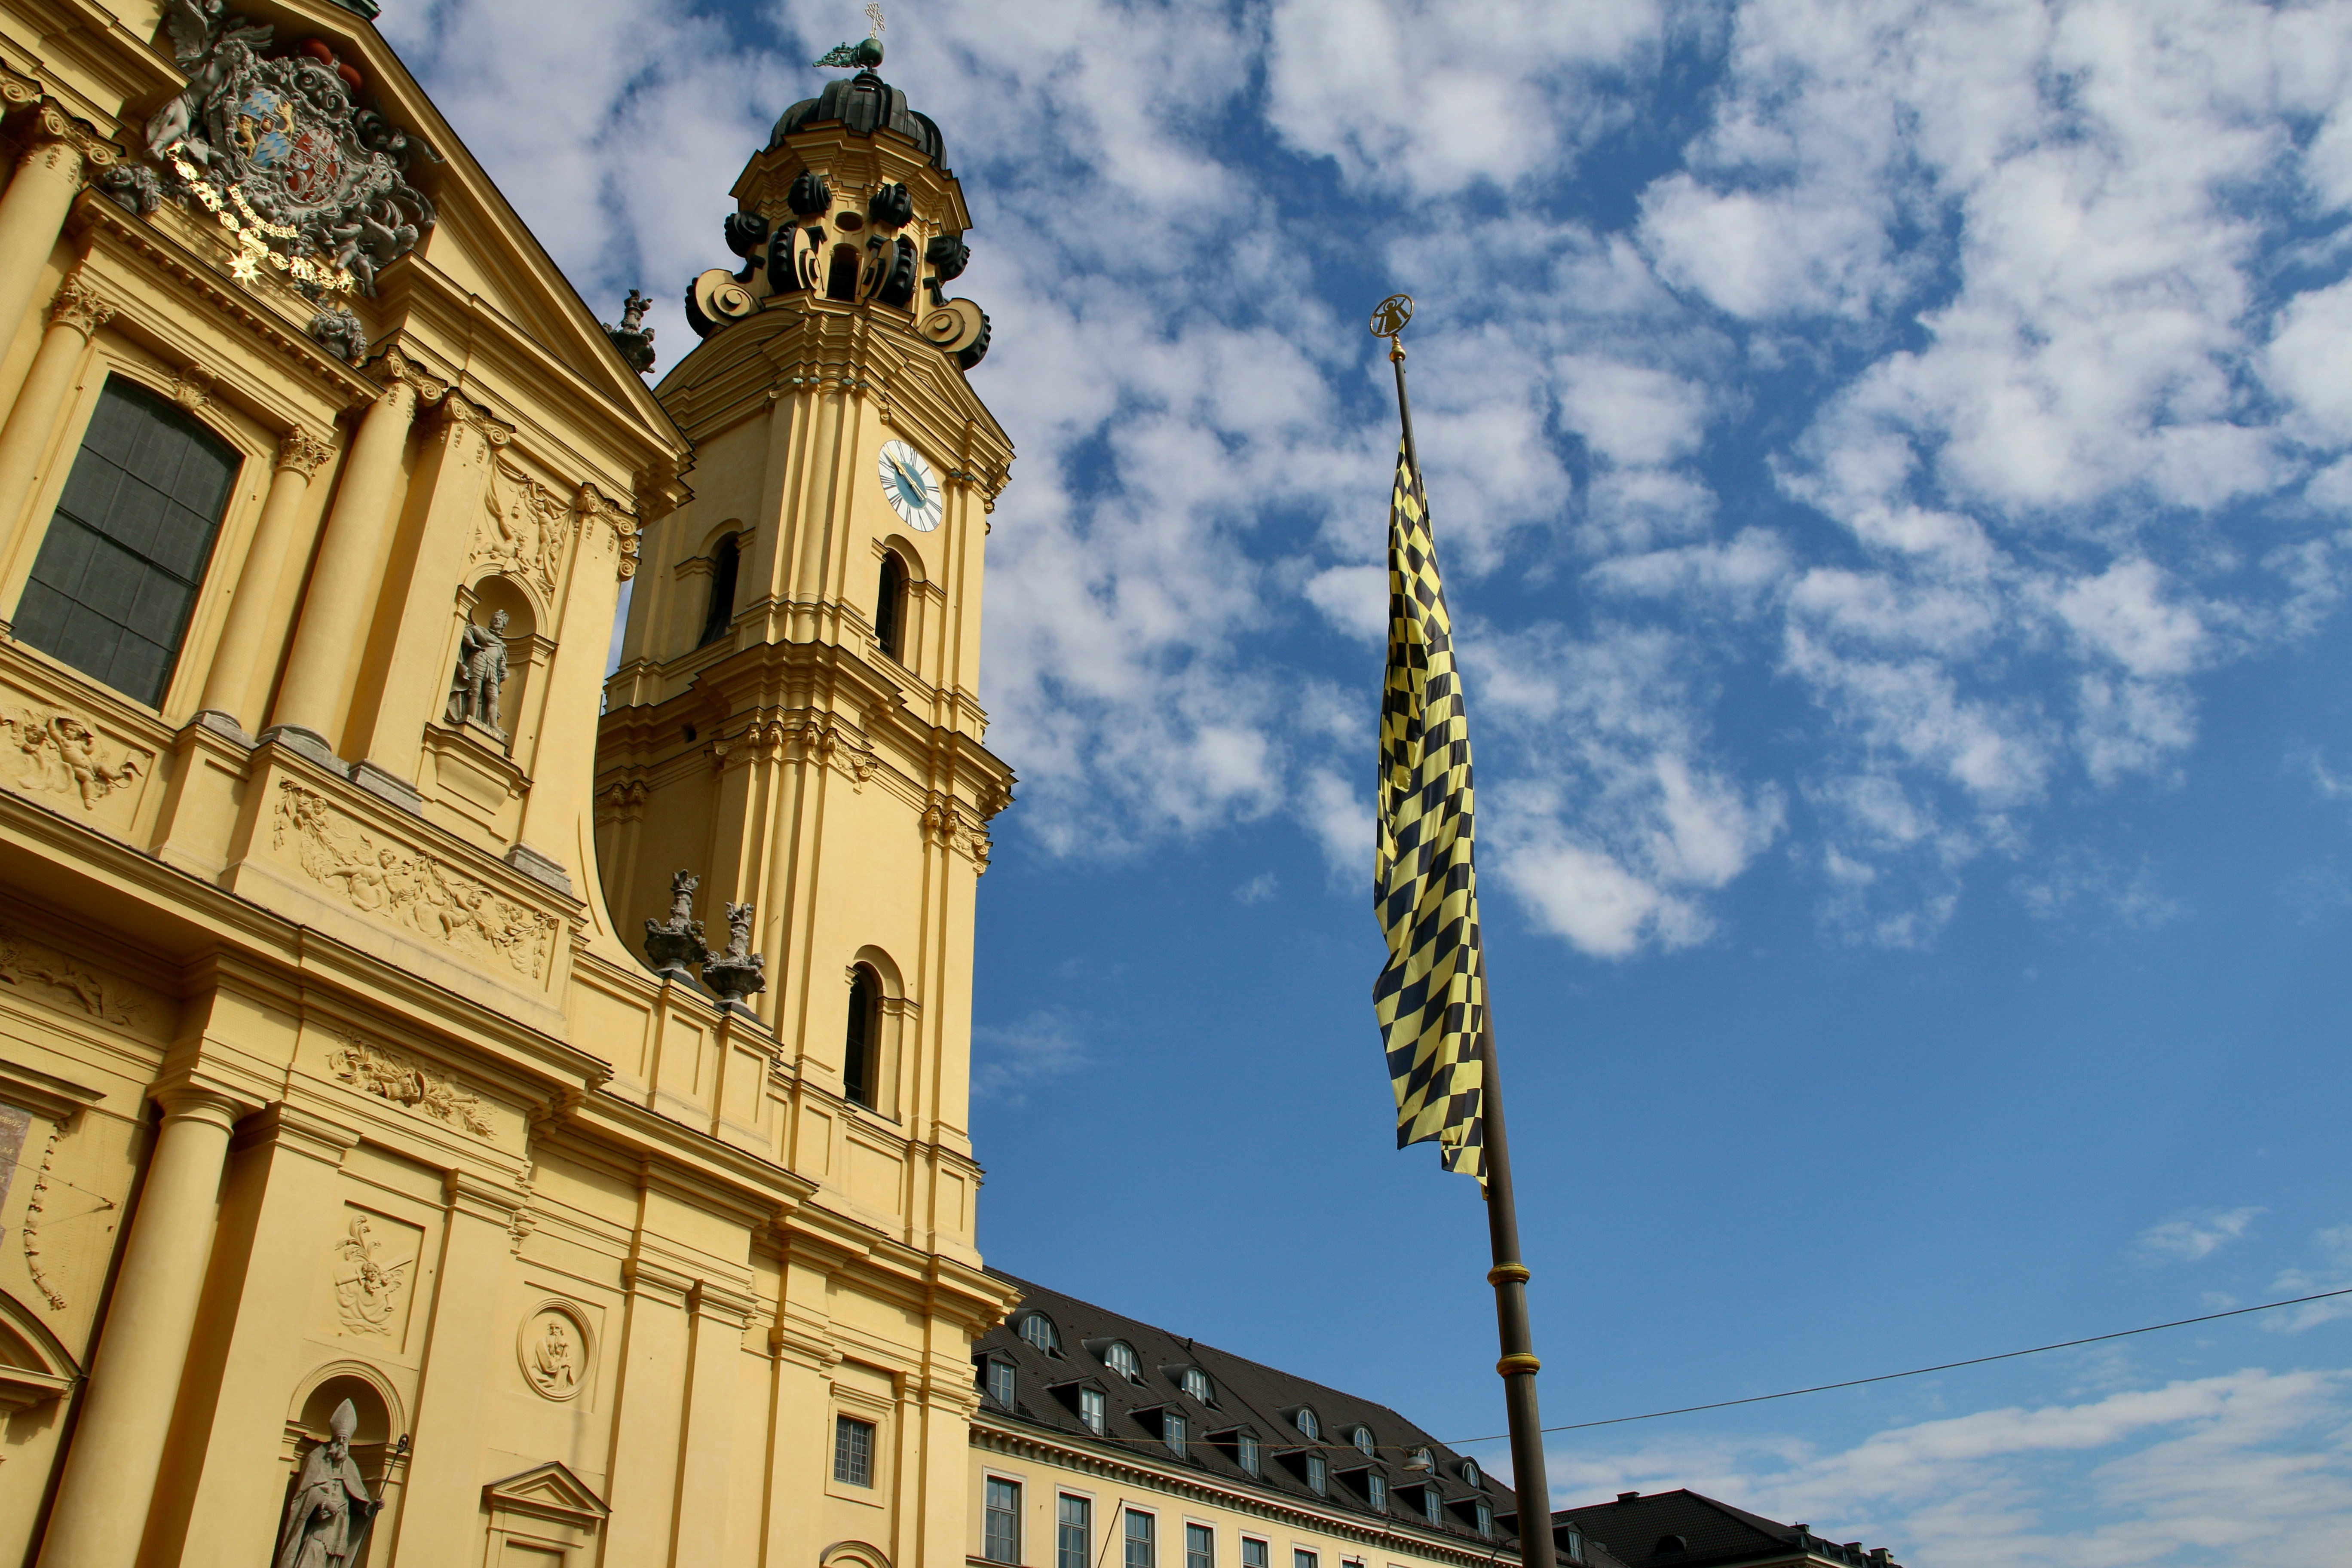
(840, 274)
(890, 607)
(726, 562)
(857, 1053)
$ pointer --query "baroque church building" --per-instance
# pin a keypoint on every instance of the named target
(459, 1108)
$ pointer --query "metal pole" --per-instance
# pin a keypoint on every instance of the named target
(1517, 1366)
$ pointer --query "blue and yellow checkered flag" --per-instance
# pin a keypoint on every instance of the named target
(1430, 997)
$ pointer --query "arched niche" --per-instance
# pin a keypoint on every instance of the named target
(376, 1440)
(880, 1026)
(527, 653)
(853, 1555)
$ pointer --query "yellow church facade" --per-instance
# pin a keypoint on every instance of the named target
(379, 1186)
(461, 1104)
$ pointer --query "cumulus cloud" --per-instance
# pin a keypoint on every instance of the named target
(2196, 1235)
(2242, 1470)
(1935, 379)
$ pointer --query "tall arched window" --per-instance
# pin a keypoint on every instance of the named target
(890, 607)
(117, 573)
(726, 562)
(858, 1051)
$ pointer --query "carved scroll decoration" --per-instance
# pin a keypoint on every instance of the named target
(412, 891)
(403, 1082)
(367, 1290)
(60, 753)
(525, 527)
(593, 505)
(102, 996)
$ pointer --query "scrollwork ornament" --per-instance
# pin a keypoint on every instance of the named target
(591, 503)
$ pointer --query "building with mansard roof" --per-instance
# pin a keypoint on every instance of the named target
(1683, 1530)
(458, 1106)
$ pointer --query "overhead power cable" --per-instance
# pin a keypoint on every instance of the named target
(1918, 1371)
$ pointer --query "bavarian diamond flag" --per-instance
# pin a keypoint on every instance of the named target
(1430, 998)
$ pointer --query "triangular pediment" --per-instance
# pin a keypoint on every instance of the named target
(550, 1491)
(35, 1367)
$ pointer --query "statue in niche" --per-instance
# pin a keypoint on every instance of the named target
(481, 671)
(327, 1519)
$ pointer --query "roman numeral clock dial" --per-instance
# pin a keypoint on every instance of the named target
(912, 490)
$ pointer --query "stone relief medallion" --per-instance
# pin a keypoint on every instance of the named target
(553, 1347)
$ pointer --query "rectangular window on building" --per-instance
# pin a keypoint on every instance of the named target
(1003, 1383)
(1074, 1526)
(1173, 1432)
(1376, 1492)
(1254, 1552)
(1433, 1505)
(1486, 1519)
(1141, 1553)
(853, 1452)
(118, 570)
(1200, 1546)
(1302, 1558)
(1090, 1409)
(1245, 1455)
(1319, 1475)
(1001, 1527)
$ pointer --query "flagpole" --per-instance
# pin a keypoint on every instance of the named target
(1517, 1366)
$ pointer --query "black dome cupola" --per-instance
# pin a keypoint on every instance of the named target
(865, 103)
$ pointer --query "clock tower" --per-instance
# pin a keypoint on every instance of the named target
(795, 725)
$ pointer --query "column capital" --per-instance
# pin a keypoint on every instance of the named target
(398, 370)
(190, 1101)
(78, 306)
(53, 128)
(303, 453)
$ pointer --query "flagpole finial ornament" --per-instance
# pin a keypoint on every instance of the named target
(1389, 320)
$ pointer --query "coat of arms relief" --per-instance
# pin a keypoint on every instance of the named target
(273, 142)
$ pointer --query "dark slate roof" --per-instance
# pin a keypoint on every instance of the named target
(865, 103)
(1713, 1534)
(1247, 1394)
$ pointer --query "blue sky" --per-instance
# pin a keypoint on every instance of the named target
(1891, 466)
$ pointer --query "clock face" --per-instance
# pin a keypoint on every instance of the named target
(912, 489)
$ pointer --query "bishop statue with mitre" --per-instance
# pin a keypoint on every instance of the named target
(328, 1514)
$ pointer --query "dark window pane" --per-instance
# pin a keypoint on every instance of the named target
(116, 577)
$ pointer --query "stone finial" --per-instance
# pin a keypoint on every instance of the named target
(738, 972)
(632, 337)
(673, 944)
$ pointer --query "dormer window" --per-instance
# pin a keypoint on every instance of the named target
(1196, 1385)
(1094, 1410)
(1319, 1475)
(1002, 1381)
(1309, 1427)
(1433, 1505)
(1245, 1452)
(1174, 1431)
(1119, 1357)
(1574, 1545)
(1362, 1438)
(1470, 1472)
(1375, 1492)
(1486, 1518)
(1038, 1330)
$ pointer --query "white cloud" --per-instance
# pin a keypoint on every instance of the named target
(1010, 1059)
(2245, 1470)
(2196, 1235)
